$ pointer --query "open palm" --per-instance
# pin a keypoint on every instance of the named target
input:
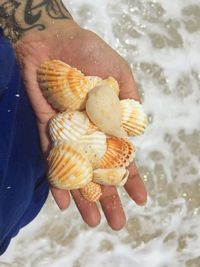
(89, 53)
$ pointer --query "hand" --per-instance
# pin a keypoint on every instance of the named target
(86, 51)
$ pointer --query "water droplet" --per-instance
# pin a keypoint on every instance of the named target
(17, 95)
(8, 187)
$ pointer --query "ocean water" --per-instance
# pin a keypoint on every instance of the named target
(161, 40)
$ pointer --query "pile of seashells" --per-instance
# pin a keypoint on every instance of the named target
(90, 145)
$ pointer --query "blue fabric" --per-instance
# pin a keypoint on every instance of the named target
(23, 185)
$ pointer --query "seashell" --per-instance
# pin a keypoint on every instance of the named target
(119, 153)
(112, 82)
(134, 119)
(63, 86)
(68, 169)
(97, 81)
(69, 126)
(93, 81)
(103, 109)
(92, 146)
(91, 191)
(92, 128)
(116, 176)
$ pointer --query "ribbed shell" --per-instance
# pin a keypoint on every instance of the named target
(91, 192)
(134, 119)
(69, 126)
(116, 176)
(92, 146)
(68, 169)
(63, 86)
(120, 153)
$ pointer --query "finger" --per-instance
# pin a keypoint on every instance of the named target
(135, 186)
(112, 208)
(61, 197)
(88, 210)
(128, 88)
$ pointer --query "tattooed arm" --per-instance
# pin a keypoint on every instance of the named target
(43, 30)
(18, 17)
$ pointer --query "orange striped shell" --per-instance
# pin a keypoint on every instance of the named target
(91, 192)
(68, 169)
(64, 87)
(120, 153)
(134, 119)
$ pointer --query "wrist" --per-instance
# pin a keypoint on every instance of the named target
(32, 17)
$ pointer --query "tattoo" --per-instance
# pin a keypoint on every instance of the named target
(30, 16)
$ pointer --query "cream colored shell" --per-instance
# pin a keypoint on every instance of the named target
(103, 108)
(97, 81)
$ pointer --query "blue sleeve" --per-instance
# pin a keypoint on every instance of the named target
(23, 185)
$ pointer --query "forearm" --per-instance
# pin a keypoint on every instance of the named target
(18, 17)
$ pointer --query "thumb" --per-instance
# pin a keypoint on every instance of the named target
(128, 88)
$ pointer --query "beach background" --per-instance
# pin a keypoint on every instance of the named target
(161, 41)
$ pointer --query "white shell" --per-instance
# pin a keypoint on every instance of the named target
(68, 126)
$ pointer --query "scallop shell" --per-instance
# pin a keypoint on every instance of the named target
(68, 169)
(134, 119)
(119, 153)
(91, 192)
(69, 126)
(92, 146)
(103, 109)
(116, 176)
(63, 86)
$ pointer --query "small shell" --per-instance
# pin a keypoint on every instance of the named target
(92, 146)
(91, 192)
(103, 108)
(93, 81)
(134, 119)
(97, 81)
(63, 86)
(69, 126)
(119, 153)
(112, 82)
(117, 176)
(68, 169)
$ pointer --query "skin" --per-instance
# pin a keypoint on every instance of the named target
(84, 50)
